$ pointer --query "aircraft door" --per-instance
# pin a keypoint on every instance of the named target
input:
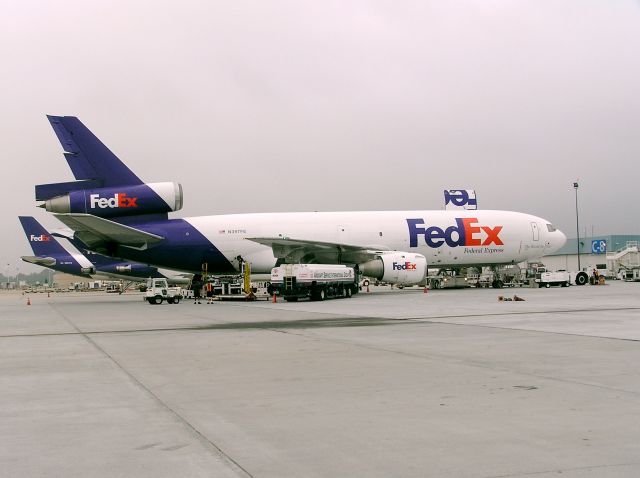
(536, 231)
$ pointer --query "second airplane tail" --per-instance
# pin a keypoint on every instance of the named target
(42, 243)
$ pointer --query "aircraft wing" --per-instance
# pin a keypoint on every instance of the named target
(95, 232)
(310, 251)
(41, 261)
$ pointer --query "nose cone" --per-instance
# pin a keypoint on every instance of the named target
(558, 240)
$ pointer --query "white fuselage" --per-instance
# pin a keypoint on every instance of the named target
(446, 238)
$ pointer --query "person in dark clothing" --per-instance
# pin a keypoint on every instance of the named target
(196, 286)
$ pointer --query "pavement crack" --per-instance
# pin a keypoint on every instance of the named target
(233, 464)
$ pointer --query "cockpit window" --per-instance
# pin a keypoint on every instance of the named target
(551, 228)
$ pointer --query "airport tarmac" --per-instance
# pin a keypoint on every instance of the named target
(452, 383)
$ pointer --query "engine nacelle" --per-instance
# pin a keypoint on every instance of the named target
(401, 268)
(154, 198)
(125, 269)
(88, 270)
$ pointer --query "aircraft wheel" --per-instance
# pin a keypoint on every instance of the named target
(547, 285)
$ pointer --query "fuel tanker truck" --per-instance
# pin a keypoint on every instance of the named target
(324, 281)
(313, 281)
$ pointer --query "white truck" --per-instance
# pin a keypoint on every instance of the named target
(158, 290)
(313, 281)
(545, 278)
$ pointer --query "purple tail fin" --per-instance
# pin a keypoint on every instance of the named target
(87, 156)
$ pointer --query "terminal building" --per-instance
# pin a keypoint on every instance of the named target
(610, 253)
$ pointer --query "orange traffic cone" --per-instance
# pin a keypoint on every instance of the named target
(48, 294)
(28, 301)
(274, 299)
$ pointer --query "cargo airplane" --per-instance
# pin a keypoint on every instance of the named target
(114, 212)
(63, 256)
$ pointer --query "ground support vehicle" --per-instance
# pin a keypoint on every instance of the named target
(448, 282)
(545, 278)
(578, 278)
(261, 289)
(498, 279)
(241, 286)
(630, 275)
(313, 281)
(510, 275)
(625, 262)
(158, 290)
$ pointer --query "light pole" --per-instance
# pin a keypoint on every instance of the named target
(575, 186)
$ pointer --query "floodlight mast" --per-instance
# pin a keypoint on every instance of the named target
(575, 186)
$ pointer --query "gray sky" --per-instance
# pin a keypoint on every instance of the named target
(342, 105)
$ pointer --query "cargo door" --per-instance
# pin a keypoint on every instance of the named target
(536, 231)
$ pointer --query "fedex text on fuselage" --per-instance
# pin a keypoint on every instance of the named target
(466, 232)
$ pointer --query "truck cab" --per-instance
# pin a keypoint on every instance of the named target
(158, 290)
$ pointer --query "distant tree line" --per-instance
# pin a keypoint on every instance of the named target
(32, 278)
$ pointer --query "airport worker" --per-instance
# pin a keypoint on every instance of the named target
(209, 290)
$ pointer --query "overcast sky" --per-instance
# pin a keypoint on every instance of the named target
(259, 106)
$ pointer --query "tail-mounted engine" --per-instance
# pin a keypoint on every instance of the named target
(154, 198)
(401, 268)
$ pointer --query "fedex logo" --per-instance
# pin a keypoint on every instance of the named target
(464, 233)
(407, 266)
(118, 200)
(464, 198)
(40, 238)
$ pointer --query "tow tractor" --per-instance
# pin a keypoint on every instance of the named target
(158, 290)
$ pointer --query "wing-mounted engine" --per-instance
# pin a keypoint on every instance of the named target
(401, 268)
(117, 201)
